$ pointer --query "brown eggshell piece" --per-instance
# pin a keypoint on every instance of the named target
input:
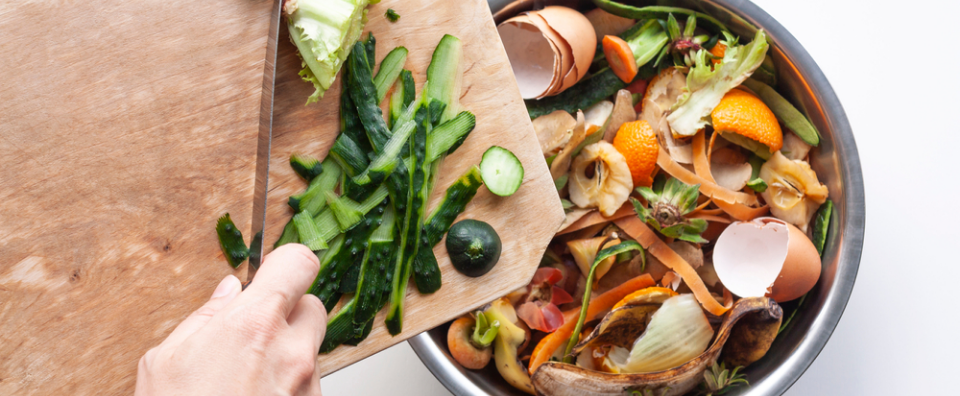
(531, 54)
(801, 269)
(566, 53)
(577, 30)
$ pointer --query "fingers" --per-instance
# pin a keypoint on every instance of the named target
(287, 273)
(308, 321)
(226, 291)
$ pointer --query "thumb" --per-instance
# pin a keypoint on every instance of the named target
(228, 289)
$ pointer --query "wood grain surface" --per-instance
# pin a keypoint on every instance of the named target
(126, 129)
(525, 221)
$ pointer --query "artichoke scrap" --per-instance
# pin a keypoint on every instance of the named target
(668, 208)
(794, 192)
(610, 183)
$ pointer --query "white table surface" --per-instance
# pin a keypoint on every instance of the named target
(893, 65)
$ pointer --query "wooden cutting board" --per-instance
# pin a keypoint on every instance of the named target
(127, 128)
(525, 221)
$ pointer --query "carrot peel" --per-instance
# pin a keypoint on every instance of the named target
(638, 230)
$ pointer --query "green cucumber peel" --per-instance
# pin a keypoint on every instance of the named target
(310, 234)
(455, 200)
(444, 78)
(312, 200)
(306, 166)
(821, 226)
(370, 48)
(792, 118)
(412, 225)
(340, 328)
(392, 15)
(289, 235)
(373, 268)
(364, 95)
(231, 241)
(386, 161)
(329, 300)
(349, 155)
(349, 212)
(603, 254)
(330, 277)
(390, 68)
(403, 95)
(449, 135)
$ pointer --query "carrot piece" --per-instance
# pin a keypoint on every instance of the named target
(638, 230)
(620, 57)
(701, 165)
(718, 50)
(600, 304)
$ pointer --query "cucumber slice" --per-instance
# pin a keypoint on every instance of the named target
(289, 235)
(501, 171)
(821, 224)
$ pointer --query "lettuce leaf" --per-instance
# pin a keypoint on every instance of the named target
(707, 83)
(324, 32)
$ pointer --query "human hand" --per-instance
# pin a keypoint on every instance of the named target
(262, 341)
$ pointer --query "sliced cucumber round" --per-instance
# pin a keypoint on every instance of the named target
(501, 171)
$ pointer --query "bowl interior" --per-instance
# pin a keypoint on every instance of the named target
(837, 164)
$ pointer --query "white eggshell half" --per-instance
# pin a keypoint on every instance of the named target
(531, 55)
(748, 256)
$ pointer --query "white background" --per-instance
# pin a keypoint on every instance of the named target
(896, 68)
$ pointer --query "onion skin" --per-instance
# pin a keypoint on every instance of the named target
(561, 379)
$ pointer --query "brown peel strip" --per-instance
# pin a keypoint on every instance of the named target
(701, 165)
(595, 217)
(707, 187)
(561, 164)
(638, 230)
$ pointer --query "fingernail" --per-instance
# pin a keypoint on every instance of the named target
(225, 287)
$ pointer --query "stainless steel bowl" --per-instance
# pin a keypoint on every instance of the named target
(836, 162)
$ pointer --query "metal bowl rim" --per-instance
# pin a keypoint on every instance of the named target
(823, 326)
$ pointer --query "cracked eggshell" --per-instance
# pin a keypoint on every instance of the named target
(578, 32)
(801, 270)
(749, 256)
(533, 58)
(566, 65)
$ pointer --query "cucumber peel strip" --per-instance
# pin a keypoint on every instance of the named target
(231, 241)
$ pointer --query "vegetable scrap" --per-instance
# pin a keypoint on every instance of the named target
(692, 207)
